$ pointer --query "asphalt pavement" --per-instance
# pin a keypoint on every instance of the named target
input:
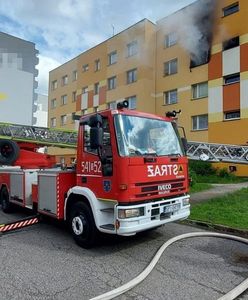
(42, 262)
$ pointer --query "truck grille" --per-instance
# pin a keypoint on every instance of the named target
(159, 188)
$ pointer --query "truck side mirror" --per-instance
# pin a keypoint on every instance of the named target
(185, 144)
(96, 137)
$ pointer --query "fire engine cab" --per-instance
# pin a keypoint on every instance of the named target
(131, 174)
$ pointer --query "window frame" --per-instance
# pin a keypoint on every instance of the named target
(74, 96)
(64, 99)
(169, 63)
(198, 122)
(197, 86)
(231, 77)
(53, 122)
(64, 80)
(132, 48)
(97, 65)
(132, 102)
(227, 11)
(167, 40)
(53, 104)
(85, 68)
(112, 83)
(54, 85)
(232, 118)
(63, 120)
(112, 58)
(96, 88)
(168, 99)
(134, 75)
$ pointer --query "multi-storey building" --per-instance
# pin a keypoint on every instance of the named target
(18, 60)
(195, 60)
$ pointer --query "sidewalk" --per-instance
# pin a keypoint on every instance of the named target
(216, 191)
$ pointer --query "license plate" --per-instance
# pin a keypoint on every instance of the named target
(171, 208)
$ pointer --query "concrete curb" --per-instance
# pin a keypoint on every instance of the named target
(218, 227)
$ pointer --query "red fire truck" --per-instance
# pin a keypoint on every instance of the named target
(130, 174)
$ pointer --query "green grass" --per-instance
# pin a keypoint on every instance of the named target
(218, 179)
(200, 187)
(230, 210)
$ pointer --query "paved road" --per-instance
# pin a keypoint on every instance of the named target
(217, 190)
(43, 262)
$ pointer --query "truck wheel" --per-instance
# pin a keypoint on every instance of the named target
(4, 200)
(9, 152)
(82, 225)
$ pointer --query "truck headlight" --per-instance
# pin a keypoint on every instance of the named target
(185, 201)
(130, 213)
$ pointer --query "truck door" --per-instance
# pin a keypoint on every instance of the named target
(97, 170)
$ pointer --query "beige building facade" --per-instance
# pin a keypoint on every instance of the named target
(195, 60)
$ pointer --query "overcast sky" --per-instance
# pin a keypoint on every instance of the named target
(62, 29)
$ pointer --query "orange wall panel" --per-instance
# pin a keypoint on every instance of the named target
(102, 95)
(90, 98)
(231, 97)
(244, 57)
(78, 103)
(215, 66)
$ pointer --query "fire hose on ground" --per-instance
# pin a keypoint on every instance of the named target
(234, 293)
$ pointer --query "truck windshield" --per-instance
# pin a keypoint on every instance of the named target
(137, 136)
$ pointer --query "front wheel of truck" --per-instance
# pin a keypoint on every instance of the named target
(82, 225)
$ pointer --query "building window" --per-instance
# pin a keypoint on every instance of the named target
(112, 83)
(170, 67)
(85, 67)
(74, 75)
(63, 120)
(112, 58)
(200, 90)
(229, 79)
(112, 105)
(170, 97)
(232, 115)
(234, 42)
(132, 102)
(74, 96)
(231, 9)
(54, 85)
(97, 64)
(64, 80)
(96, 88)
(132, 48)
(53, 122)
(53, 103)
(170, 39)
(84, 90)
(200, 122)
(64, 100)
(131, 76)
(73, 117)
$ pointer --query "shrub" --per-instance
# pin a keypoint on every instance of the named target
(202, 167)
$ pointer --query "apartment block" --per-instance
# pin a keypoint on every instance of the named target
(18, 60)
(194, 60)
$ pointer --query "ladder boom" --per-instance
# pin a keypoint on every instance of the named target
(39, 135)
(217, 152)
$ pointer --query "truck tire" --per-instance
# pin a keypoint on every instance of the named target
(9, 152)
(4, 200)
(82, 225)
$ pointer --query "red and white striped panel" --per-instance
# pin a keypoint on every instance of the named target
(17, 225)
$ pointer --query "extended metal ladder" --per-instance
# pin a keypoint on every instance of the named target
(218, 152)
(39, 135)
